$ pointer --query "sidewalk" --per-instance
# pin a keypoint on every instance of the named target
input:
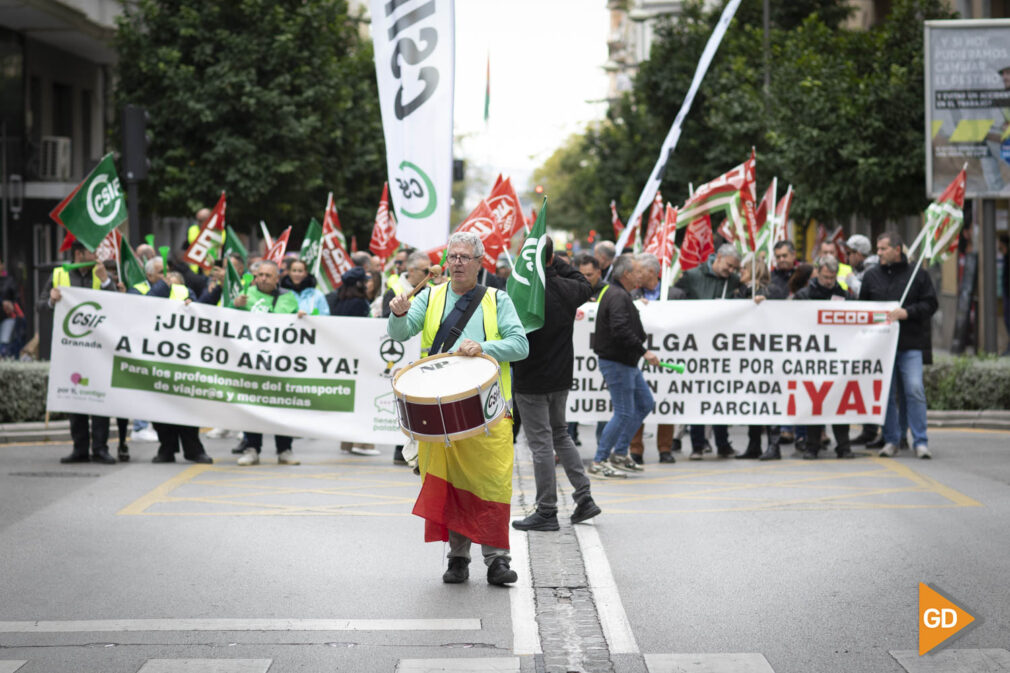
(59, 431)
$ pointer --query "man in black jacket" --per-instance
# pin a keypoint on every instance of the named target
(887, 282)
(824, 286)
(618, 347)
(785, 266)
(540, 384)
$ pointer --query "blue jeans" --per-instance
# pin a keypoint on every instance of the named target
(906, 381)
(632, 400)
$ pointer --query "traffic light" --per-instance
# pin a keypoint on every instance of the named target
(458, 170)
(135, 140)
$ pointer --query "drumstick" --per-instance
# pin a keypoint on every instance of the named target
(432, 272)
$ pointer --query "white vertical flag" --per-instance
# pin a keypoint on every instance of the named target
(652, 186)
(414, 57)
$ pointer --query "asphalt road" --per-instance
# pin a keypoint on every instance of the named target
(712, 566)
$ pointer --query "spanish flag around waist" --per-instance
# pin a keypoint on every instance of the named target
(467, 487)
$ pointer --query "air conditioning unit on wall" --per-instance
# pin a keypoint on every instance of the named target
(54, 158)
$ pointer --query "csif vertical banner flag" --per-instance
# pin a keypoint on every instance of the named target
(526, 286)
(414, 54)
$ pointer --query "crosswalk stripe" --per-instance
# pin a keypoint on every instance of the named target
(994, 660)
(475, 665)
(206, 666)
(116, 625)
(613, 619)
(735, 662)
(522, 601)
(10, 665)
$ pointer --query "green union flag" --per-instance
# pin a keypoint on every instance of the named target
(232, 285)
(312, 245)
(133, 270)
(232, 243)
(526, 284)
(95, 207)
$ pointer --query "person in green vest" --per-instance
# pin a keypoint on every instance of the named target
(467, 484)
(95, 277)
(266, 296)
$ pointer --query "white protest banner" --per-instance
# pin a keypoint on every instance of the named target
(145, 357)
(413, 42)
(778, 362)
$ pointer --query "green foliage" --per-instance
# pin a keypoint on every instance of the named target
(23, 388)
(841, 120)
(274, 102)
(968, 383)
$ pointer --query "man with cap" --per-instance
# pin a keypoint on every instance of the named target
(859, 249)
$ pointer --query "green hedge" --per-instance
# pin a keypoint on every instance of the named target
(23, 391)
(968, 383)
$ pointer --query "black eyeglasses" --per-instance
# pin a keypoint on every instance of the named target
(460, 259)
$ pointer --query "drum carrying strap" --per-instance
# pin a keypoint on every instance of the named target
(452, 327)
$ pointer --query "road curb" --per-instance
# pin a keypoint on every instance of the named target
(59, 431)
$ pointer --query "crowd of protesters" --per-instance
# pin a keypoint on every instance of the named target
(617, 282)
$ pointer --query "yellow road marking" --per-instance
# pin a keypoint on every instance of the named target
(159, 493)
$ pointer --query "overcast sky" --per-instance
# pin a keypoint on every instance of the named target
(546, 67)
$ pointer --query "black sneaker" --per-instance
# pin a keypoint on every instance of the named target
(102, 457)
(241, 447)
(163, 458)
(726, 451)
(637, 458)
(666, 457)
(585, 510)
(538, 521)
(499, 573)
(458, 571)
(676, 445)
(75, 458)
(878, 443)
(123, 453)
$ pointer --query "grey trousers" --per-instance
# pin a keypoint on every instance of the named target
(547, 433)
(459, 545)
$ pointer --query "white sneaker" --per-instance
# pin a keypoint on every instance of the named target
(922, 451)
(287, 458)
(604, 471)
(626, 463)
(365, 450)
(217, 433)
(888, 451)
(146, 435)
(249, 457)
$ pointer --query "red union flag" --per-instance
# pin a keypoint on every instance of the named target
(207, 245)
(481, 222)
(662, 244)
(333, 258)
(838, 237)
(505, 208)
(655, 218)
(697, 245)
(276, 252)
(109, 247)
(330, 216)
(615, 221)
(384, 241)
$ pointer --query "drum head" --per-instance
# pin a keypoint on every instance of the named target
(445, 375)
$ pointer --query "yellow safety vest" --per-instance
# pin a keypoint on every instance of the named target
(61, 278)
(142, 288)
(395, 283)
(179, 292)
(489, 308)
(844, 271)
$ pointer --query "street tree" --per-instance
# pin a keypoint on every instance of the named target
(273, 101)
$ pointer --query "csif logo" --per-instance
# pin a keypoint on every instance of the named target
(83, 319)
(104, 199)
(416, 188)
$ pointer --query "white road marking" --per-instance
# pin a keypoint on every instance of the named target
(113, 625)
(10, 665)
(708, 663)
(206, 666)
(525, 631)
(946, 661)
(616, 627)
(476, 665)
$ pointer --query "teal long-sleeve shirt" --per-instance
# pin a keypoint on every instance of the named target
(512, 347)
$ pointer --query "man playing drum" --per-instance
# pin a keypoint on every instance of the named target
(466, 492)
